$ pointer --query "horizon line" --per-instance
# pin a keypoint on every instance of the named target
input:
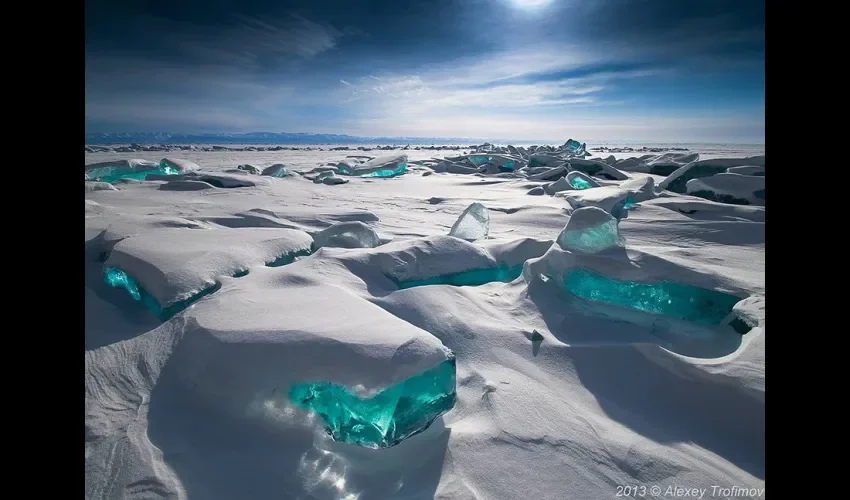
(417, 139)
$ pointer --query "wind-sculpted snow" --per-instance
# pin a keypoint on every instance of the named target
(185, 185)
(729, 188)
(307, 350)
(179, 165)
(236, 364)
(692, 313)
(276, 170)
(640, 189)
(664, 164)
(612, 199)
(678, 180)
(251, 169)
(598, 169)
(99, 186)
(747, 170)
(174, 266)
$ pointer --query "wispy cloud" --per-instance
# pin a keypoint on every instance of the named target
(534, 78)
(292, 35)
(246, 42)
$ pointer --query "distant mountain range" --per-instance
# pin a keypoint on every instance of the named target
(270, 138)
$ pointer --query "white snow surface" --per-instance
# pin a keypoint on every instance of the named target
(196, 407)
(731, 184)
(173, 265)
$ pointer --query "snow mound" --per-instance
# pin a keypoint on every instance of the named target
(222, 180)
(276, 170)
(181, 166)
(173, 265)
(612, 199)
(515, 252)
(433, 260)
(235, 361)
(251, 169)
(597, 168)
(447, 166)
(562, 184)
(641, 189)
(232, 360)
(420, 259)
(185, 185)
(549, 174)
(698, 208)
(664, 164)
(691, 312)
(307, 218)
(747, 170)
(731, 188)
(99, 186)
(677, 181)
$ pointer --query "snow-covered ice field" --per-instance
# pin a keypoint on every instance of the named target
(245, 291)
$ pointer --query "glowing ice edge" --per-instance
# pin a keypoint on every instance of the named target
(386, 418)
(678, 300)
(384, 166)
(472, 277)
(118, 278)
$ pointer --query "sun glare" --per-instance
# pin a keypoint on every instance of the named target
(530, 4)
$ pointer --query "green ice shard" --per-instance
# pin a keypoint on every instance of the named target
(579, 183)
(117, 278)
(289, 257)
(384, 172)
(112, 174)
(575, 147)
(593, 239)
(386, 418)
(389, 172)
(479, 159)
(474, 277)
(678, 300)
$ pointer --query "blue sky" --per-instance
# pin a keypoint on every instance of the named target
(641, 70)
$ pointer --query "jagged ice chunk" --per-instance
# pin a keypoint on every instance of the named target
(673, 299)
(473, 223)
(386, 418)
(590, 230)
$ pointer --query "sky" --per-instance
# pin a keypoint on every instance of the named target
(629, 70)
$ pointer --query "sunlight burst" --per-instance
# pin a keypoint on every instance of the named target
(530, 4)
